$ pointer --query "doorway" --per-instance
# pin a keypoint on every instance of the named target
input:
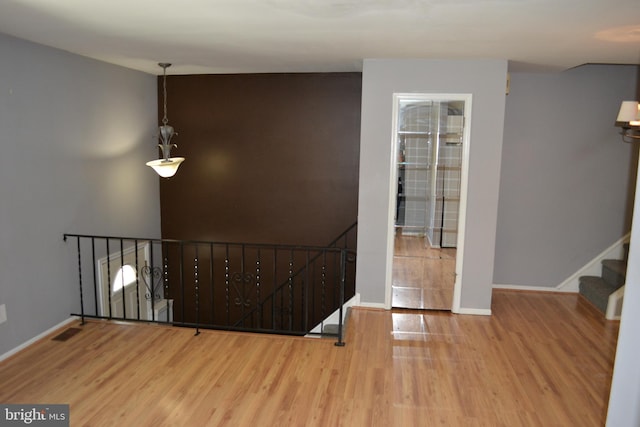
(431, 146)
(129, 288)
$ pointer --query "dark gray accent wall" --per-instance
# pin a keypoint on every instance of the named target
(485, 80)
(74, 136)
(567, 178)
(270, 158)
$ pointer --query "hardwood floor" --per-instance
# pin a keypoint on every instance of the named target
(423, 277)
(542, 359)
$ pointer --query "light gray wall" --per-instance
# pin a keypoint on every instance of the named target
(486, 81)
(74, 136)
(623, 410)
(565, 173)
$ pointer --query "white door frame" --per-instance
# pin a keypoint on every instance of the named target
(464, 178)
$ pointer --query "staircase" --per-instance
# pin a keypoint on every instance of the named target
(598, 289)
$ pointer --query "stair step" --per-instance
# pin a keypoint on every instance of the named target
(614, 271)
(596, 290)
(330, 329)
(333, 329)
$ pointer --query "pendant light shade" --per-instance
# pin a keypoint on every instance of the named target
(166, 168)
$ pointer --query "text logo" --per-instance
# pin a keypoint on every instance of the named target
(34, 415)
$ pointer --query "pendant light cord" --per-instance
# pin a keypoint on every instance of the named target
(165, 120)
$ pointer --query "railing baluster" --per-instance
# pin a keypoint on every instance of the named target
(135, 248)
(197, 289)
(258, 300)
(95, 273)
(165, 274)
(314, 288)
(151, 283)
(124, 297)
(305, 294)
(243, 283)
(323, 284)
(336, 275)
(211, 287)
(80, 280)
(274, 289)
(291, 290)
(343, 273)
(108, 278)
(226, 283)
(183, 318)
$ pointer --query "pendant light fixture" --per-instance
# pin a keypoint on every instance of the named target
(167, 166)
(629, 121)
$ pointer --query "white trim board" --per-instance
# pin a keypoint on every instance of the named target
(37, 338)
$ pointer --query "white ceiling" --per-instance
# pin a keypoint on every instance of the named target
(253, 36)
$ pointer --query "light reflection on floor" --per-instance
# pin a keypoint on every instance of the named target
(423, 277)
(425, 327)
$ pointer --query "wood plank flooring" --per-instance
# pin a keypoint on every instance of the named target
(423, 277)
(542, 359)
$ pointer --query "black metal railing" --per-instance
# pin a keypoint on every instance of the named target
(281, 289)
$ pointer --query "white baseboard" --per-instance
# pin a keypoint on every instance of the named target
(529, 288)
(474, 311)
(594, 267)
(373, 305)
(36, 338)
